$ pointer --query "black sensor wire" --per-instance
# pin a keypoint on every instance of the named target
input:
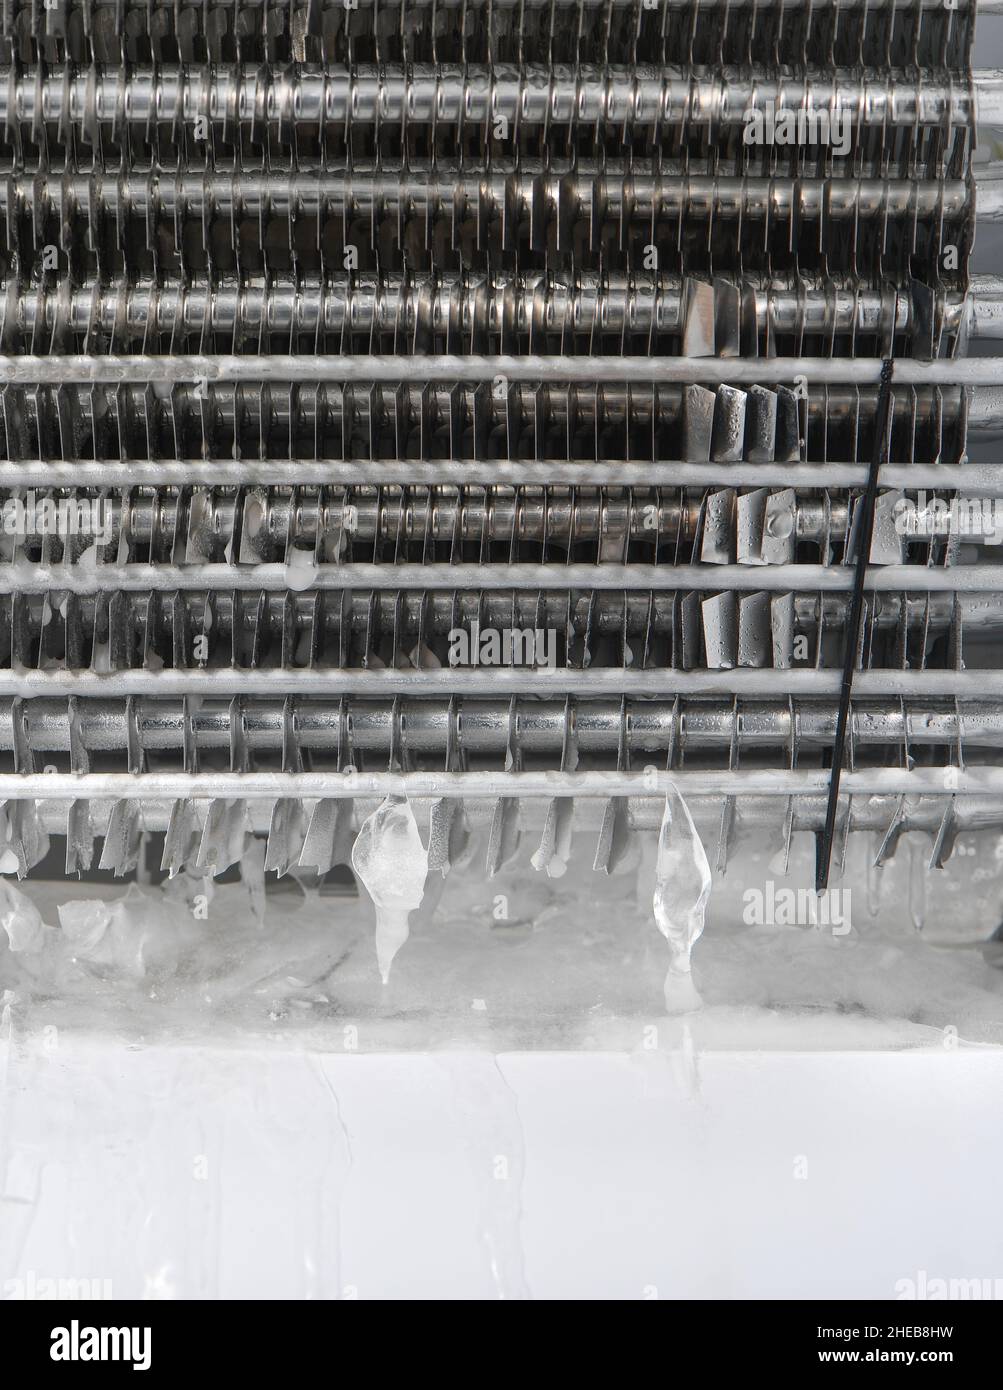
(879, 456)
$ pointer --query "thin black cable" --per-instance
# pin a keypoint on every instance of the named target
(879, 456)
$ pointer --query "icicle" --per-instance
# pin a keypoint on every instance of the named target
(874, 880)
(682, 887)
(917, 886)
(392, 862)
(252, 875)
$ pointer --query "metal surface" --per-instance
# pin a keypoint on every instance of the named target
(239, 103)
(372, 332)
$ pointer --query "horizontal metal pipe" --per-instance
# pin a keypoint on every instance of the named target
(224, 97)
(872, 814)
(978, 479)
(175, 786)
(273, 521)
(21, 576)
(510, 195)
(431, 727)
(594, 682)
(269, 523)
(698, 371)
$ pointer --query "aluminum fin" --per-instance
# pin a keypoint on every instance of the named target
(754, 630)
(719, 527)
(750, 525)
(728, 439)
(720, 630)
(614, 836)
(779, 529)
(698, 424)
(503, 839)
(555, 843)
(329, 837)
(123, 838)
(183, 834)
(223, 836)
(447, 834)
(79, 838)
(698, 318)
(761, 424)
(782, 630)
(285, 835)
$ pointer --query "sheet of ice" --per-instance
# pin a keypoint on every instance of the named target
(140, 936)
(682, 887)
(227, 1172)
(20, 918)
(493, 1139)
(392, 862)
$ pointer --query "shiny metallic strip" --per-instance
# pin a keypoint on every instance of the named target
(125, 786)
(23, 577)
(365, 94)
(594, 682)
(699, 371)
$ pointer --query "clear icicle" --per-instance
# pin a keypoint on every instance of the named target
(682, 887)
(392, 862)
(917, 885)
(874, 879)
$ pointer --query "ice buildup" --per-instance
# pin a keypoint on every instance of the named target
(682, 887)
(392, 862)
